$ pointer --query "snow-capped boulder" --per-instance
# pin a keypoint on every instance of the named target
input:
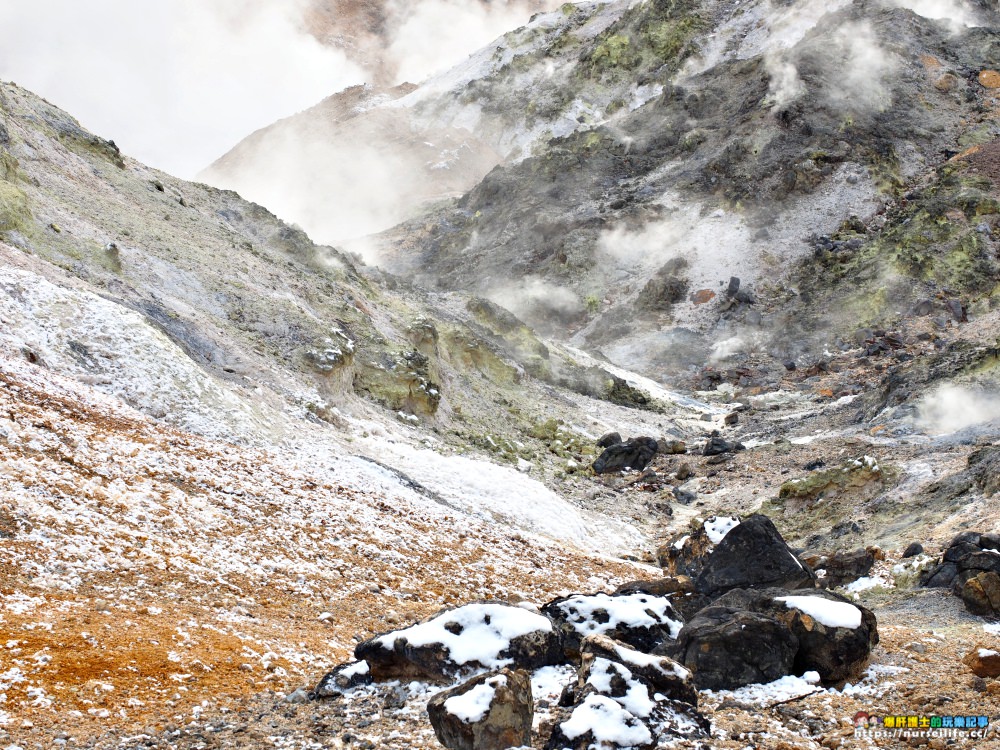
(342, 678)
(755, 636)
(661, 673)
(493, 711)
(984, 662)
(486, 635)
(679, 589)
(640, 620)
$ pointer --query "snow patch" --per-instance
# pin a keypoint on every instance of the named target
(472, 706)
(825, 612)
(633, 610)
(718, 526)
(607, 722)
(782, 689)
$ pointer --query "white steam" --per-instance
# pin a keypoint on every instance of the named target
(533, 297)
(428, 36)
(952, 408)
(177, 84)
(785, 85)
(174, 83)
(861, 80)
(855, 69)
(955, 13)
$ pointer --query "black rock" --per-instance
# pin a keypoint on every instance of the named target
(634, 454)
(843, 568)
(663, 675)
(716, 445)
(913, 549)
(611, 438)
(751, 636)
(342, 678)
(734, 286)
(752, 555)
(727, 648)
(968, 556)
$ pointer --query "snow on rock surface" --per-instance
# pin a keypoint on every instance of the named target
(473, 705)
(718, 526)
(829, 613)
(607, 677)
(607, 722)
(477, 633)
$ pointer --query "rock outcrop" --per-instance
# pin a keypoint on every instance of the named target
(970, 567)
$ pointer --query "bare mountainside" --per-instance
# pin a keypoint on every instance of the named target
(646, 153)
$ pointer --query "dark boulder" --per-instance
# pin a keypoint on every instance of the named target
(679, 589)
(727, 648)
(641, 621)
(716, 445)
(475, 636)
(752, 555)
(633, 454)
(912, 550)
(751, 636)
(493, 711)
(611, 438)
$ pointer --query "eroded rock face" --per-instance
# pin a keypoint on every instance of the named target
(981, 594)
(749, 636)
(642, 621)
(475, 636)
(493, 711)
